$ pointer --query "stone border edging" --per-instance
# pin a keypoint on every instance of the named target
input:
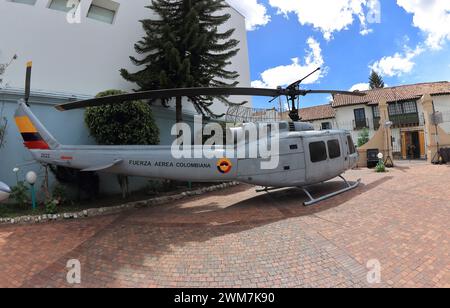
(114, 209)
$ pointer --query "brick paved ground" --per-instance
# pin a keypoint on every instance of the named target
(237, 238)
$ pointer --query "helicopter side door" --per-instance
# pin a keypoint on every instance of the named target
(325, 158)
(352, 154)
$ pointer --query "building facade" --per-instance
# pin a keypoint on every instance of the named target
(75, 57)
(404, 110)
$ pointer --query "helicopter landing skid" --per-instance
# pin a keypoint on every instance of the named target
(267, 189)
(325, 197)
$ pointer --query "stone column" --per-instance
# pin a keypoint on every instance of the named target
(387, 131)
(430, 130)
(382, 138)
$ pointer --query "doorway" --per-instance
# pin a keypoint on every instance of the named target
(413, 145)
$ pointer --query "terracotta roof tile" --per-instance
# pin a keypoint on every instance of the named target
(393, 94)
(317, 113)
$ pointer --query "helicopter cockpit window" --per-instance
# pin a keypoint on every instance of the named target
(318, 151)
(351, 145)
(334, 149)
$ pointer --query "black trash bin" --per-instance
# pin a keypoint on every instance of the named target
(372, 158)
(445, 154)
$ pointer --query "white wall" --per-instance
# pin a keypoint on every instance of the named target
(442, 104)
(84, 58)
(318, 123)
(345, 117)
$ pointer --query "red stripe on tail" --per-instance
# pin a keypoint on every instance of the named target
(37, 145)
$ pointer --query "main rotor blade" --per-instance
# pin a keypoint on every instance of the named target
(192, 92)
(28, 82)
(335, 92)
(164, 94)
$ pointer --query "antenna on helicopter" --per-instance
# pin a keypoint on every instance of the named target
(298, 82)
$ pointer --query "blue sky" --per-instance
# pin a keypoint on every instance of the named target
(406, 41)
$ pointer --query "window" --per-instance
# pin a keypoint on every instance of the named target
(395, 109)
(351, 145)
(410, 107)
(29, 2)
(60, 5)
(376, 111)
(326, 125)
(334, 149)
(360, 118)
(103, 10)
(318, 151)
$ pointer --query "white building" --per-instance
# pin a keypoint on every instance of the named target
(76, 61)
(354, 113)
(85, 58)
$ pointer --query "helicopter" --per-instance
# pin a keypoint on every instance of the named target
(5, 191)
(305, 157)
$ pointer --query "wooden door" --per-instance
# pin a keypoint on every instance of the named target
(422, 144)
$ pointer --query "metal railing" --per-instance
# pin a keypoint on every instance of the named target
(360, 124)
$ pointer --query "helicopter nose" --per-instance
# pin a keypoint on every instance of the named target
(5, 191)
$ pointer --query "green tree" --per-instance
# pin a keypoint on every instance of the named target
(183, 47)
(376, 81)
(129, 123)
(3, 124)
(363, 137)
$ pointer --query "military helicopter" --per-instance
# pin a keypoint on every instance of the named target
(305, 157)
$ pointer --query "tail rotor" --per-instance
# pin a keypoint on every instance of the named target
(28, 83)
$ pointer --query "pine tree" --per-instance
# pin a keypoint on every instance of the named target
(375, 81)
(184, 48)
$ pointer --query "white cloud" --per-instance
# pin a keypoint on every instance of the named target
(398, 64)
(330, 16)
(286, 74)
(360, 87)
(432, 17)
(255, 13)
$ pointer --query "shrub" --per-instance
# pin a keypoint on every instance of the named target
(129, 123)
(380, 168)
(363, 137)
(60, 194)
(20, 195)
(51, 207)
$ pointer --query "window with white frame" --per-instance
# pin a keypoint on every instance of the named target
(29, 2)
(103, 10)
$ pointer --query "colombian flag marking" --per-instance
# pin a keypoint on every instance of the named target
(224, 165)
(31, 137)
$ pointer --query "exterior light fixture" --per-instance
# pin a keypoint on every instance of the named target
(31, 179)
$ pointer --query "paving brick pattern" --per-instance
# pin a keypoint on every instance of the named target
(238, 238)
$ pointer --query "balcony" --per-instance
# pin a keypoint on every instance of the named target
(405, 120)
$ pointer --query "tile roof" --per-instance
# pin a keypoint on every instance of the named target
(393, 94)
(321, 112)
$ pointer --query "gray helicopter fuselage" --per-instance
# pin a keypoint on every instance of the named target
(304, 156)
(5, 191)
(296, 167)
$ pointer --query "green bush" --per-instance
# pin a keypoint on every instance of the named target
(20, 194)
(60, 194)
(129, 123)
(363, 137)
(380, 168)
(3, 123)
(51, 207)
